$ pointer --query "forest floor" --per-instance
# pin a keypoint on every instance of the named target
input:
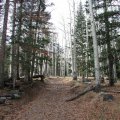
(48, 102)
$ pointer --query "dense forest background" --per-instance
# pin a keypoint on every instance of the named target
(28, 45)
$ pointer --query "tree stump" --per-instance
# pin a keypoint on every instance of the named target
(2, 100)
(102, 80)
(74, 76)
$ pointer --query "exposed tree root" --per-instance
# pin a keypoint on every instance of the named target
(88, 89)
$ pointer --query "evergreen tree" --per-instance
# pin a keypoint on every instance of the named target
(106, 15)
(29, 39)
(80, 36)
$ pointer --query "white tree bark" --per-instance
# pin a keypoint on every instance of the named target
(95, 46)
(74, 49)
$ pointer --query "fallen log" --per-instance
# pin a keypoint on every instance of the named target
(91, 88)
(39, 76)
(10, 96)
(13, 94)
(110, 91)
(88, 89)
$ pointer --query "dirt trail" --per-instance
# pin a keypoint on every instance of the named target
(50, 104)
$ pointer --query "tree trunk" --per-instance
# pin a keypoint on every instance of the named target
(110, 56)
(34, 41)
(3, 44)
(14, 67)
(19, 38)
(95, 46)
(28, 54)
(46, 67)
(41, 70)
